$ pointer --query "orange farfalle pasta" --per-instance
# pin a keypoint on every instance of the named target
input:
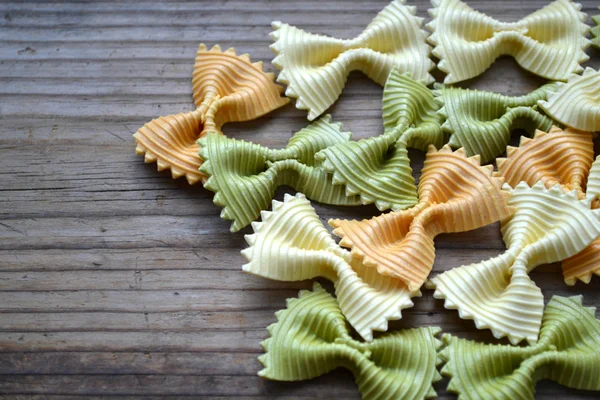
(564, 157)
(583, 265)
(456, 194)
(559, 156)
(226, 88)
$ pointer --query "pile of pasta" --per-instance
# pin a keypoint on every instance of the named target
(545, 193)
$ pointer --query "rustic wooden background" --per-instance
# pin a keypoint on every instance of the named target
(117, 280)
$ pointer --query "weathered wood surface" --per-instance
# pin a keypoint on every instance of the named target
(116, 279)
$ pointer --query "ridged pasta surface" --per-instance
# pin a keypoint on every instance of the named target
(482, 122)
(456, 194)
(315, 67)
(576, 104)
(568, 353)
(378, 168)
(549, 225)
(291, 244)
(244, 175)
(550, 42)
(226, 88)
(311, 338)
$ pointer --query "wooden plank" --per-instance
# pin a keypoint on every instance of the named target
(170, 385)
(100, 321)
(134, 363)
(139, 300)
(99, 259)
(133, 280)
(145, 397)
(201, 341)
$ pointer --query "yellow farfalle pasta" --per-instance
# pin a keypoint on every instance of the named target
(550, 42)
(554, 221)
(576, 103)
(549, 225)
(565, 158)
(315, 67)
(291, 244)
(226, 88)
(456, 194)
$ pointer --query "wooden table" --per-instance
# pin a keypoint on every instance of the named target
(118, 280)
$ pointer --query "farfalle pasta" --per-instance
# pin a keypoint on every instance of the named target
(548, 226)
(244, 175)
(564, 158)
(291, 244)
(568, 353)
(456, 194)
(226, 88)
(576, 104)
(311, 338)
(550, 42)
(560, 156)
(481, 122)
(553, 221)
(315, 67)
(378, 169)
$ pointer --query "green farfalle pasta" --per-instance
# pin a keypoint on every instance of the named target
(378, 168)
(311, 337)
(244, 175)
(568, 353)
(481, 122)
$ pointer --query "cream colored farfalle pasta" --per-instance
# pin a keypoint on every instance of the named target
(315, 67)
(550, 42)
(549, 225)
(564, 157)
(291, 244)
(576, 103)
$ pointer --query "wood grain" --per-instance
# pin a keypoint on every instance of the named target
(116, 280)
